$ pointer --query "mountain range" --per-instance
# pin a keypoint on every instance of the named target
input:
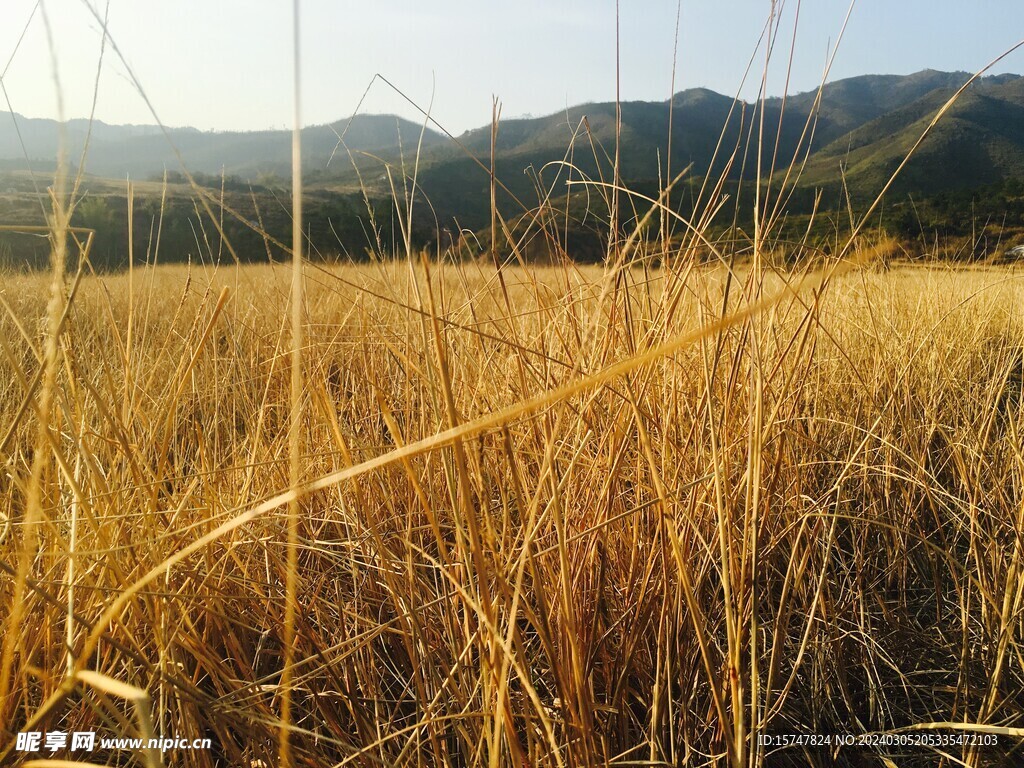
(141, 151)
(857, 129)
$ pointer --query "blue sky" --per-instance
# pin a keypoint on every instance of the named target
(227, 64)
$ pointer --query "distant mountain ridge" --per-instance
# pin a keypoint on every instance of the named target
(140, 151)
(862, 128)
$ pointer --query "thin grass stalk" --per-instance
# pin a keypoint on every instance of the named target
(295, 441)
(613, 237)
(69, 629)
(665, 230)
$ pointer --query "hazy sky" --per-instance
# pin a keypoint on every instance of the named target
(227, 64)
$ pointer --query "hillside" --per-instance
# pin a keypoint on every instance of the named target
(864, 125)
(859, 129)
(980, 141)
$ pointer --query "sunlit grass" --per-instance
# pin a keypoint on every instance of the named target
(559, 599)
(643, 513)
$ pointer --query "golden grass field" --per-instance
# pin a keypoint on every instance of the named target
(787, 510)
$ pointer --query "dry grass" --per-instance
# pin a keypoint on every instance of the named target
(639, 514)
(808, 521)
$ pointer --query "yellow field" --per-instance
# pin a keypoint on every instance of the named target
(801, 518)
